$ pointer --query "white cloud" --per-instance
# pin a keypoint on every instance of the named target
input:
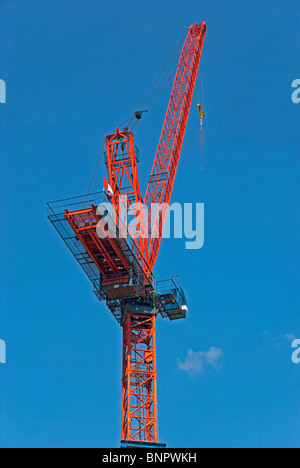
(279, 340)
(196, 361)
(290, 337)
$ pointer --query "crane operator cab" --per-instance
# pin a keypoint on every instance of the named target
(170, 300)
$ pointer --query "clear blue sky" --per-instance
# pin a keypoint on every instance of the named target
(76, 69)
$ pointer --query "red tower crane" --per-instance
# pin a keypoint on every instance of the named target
(119, 259)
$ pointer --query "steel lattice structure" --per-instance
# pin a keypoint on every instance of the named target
(139, 402)
(121, 267)
(164, 169)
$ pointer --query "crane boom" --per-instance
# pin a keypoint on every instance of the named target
(164, 169)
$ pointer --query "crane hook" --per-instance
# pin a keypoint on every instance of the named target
(201, 111)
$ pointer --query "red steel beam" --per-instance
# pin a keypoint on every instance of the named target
(164, 169)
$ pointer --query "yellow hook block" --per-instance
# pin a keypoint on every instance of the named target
(201, 111)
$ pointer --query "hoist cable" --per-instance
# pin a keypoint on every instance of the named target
(201, 110)
(154, 100)
(161, 73)
(128, 122)
(163, 87)
(202, 87)
(88, 192)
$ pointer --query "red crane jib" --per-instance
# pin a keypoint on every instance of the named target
(164, 169)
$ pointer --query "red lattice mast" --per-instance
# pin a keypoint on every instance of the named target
(139, 420)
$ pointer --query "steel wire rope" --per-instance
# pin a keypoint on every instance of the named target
(129, 120)
(94, 174)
